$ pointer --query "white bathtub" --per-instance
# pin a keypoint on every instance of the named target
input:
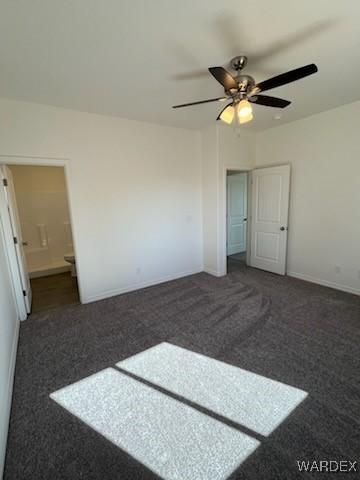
(40, 263)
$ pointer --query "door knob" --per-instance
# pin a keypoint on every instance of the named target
(282, 228)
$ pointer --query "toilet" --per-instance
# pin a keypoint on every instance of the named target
(70, 258)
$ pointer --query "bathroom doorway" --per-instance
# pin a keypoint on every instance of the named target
(40, 203)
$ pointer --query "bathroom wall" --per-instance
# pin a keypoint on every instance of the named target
(44, 215)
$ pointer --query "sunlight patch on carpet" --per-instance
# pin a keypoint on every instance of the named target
(173, 440)
(256, 402)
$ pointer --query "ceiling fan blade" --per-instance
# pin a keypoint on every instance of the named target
(201, 101)
(224, 77)
(223, 110)
(285, 78)
(269, 101)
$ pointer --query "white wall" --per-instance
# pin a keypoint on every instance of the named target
(222, 149)
(324, 226)
(44, 216)
(134, 191)
(210, 198)
(236, 152)
(9, 327)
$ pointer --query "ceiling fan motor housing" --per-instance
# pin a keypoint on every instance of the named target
(245, 82)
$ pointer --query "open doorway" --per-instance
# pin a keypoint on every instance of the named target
(237, 205)
(254, 219)
(40, 222)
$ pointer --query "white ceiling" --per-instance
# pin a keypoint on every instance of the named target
(126, 57)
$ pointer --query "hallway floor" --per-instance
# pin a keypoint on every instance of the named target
(241, 257)
(54, 291)
(236, 262)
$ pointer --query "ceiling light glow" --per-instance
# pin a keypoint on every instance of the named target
(227, 115)
(244, 111)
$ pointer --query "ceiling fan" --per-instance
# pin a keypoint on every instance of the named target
(243, 91)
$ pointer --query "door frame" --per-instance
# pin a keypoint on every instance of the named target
(223, 219)
(52, 162)
(10, 253)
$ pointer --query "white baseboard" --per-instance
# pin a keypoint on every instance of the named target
(138, 286)
(325, 283)
(214, 273)
(5, 416)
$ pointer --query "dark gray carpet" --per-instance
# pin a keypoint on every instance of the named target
(285, 329)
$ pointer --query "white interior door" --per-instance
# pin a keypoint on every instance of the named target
(270, 205)
(12, 210)
(236, 213)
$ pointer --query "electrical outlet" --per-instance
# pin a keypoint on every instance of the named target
(138, 271)
(337, 269)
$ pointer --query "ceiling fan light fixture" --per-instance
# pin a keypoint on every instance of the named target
(227, 115)
(244, 111)
(238, 89)
(246, 119)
